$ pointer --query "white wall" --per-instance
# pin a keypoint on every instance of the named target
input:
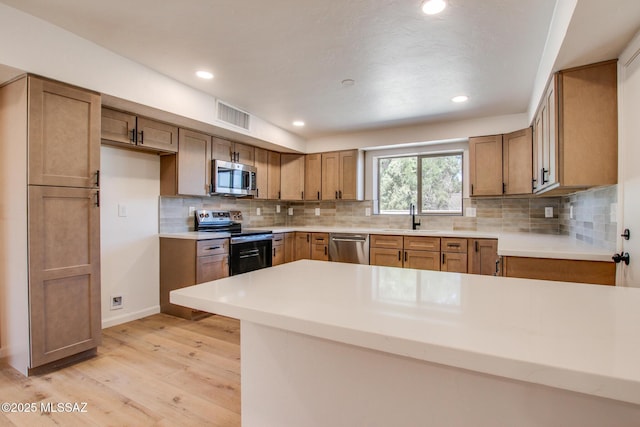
(130, 247)
(445, 131)
(36, 46)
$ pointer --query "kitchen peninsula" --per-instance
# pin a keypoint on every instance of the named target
(342, 344)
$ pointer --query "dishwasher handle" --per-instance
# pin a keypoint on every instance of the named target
(349, 239)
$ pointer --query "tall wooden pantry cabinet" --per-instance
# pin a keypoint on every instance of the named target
(49, 223)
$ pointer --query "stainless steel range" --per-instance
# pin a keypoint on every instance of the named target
(249, 249)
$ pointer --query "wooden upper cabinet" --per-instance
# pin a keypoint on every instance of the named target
(313, 177)
(229, 151)
(273, 175)
(156, 135)
(194, 163)
(262, 173)
(292, 176)
(64, 134)
(517, 162)
(340, 175)
(576, 130)
(118, 127)
(64, 272)
(126, 129)
(485, 168)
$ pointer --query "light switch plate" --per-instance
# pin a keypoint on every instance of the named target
(258, 211)
(290, 211)
(122, 210)
(192, 209)
(548, 212)
(571, 212)
(471, 212)
(317, 211)
(277, 208)
(367, 211)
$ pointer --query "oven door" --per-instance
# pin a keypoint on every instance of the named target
(249, 255)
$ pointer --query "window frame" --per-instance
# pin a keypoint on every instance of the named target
(419, 157)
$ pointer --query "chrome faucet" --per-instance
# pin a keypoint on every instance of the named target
(412, 212)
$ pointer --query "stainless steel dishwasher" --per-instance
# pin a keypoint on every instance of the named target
(349, 247)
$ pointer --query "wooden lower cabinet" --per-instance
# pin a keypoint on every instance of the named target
(186, 262)
(289, 247)
(320, 246)
(64, 272)
(302, 246)
(454, 255)
(483, 256)
(422, 260)
(278, 245)
(385, 257)
(596, 272)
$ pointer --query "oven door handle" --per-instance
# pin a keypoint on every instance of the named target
(249, 254)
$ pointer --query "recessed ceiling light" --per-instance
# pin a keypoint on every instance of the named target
(432, 7)
(348, 82)
(460, 98)
(204, 75)
(298, 123)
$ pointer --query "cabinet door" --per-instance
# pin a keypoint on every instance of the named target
(454, 262)
(538, 133)
(292, 176)
(64, 272)
(385, 257)
(64, 135)
(422, 243)
(221, 149)
(118, 127)
(289, 246)
(313, 177)
(262, 173)
(485, 168)
(348, 183)
(320, 252)
(158, 136)
(212, 267)
(548, 161)
(517, 157)
(244, 154)
(330, 175)
(278, 255)
(274, 175)
(194, 163)
(422, 260)
(483, 254)
(302, 247)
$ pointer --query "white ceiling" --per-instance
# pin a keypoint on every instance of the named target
(284, 60)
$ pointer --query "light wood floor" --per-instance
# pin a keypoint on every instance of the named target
(157, 371)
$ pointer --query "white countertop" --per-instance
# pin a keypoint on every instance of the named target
(195, 235)
(584, 338)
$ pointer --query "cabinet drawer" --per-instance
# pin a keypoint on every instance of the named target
(383, 241)
(212, 247)
(454, 262)
(454, 245)
(421, 243)
(320, 238)
(212, 267)
(422, 260)
(278, 239)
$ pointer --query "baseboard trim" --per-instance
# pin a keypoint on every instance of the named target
(118, 320)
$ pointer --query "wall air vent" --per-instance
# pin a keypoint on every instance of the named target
(233, 116)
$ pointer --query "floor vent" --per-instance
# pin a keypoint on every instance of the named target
(228, 114)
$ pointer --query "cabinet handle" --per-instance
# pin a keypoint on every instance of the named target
(497, 272)
(544, 171)
(453, 245)
(533, 185)
(472, 189)
(132, 138)
(504, 188)
(318, 195)
(340, 193)
(325, 250)
(98, 198)
(98, 178)
(443, 258)
(212, 248)
(141, 137)
(257, 193)
(405, 256)
(274, 251)
(307, 238)
(476, 245)
(302, 195)
(278, 195)
(399, 255)
(336, 195)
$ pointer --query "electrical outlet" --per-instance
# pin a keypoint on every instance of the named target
(367, 211)
(548, 212)
(277, 208)
(471, 212)
(122, 210)
(192, 209)
(290, 211)
(317, 212)
(571, 212)
(258, 211)
(117, 302)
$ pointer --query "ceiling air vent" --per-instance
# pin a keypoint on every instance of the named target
(233, 116)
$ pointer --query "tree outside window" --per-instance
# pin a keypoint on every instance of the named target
(438, 191)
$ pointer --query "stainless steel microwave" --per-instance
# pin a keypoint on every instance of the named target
(233, 179)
